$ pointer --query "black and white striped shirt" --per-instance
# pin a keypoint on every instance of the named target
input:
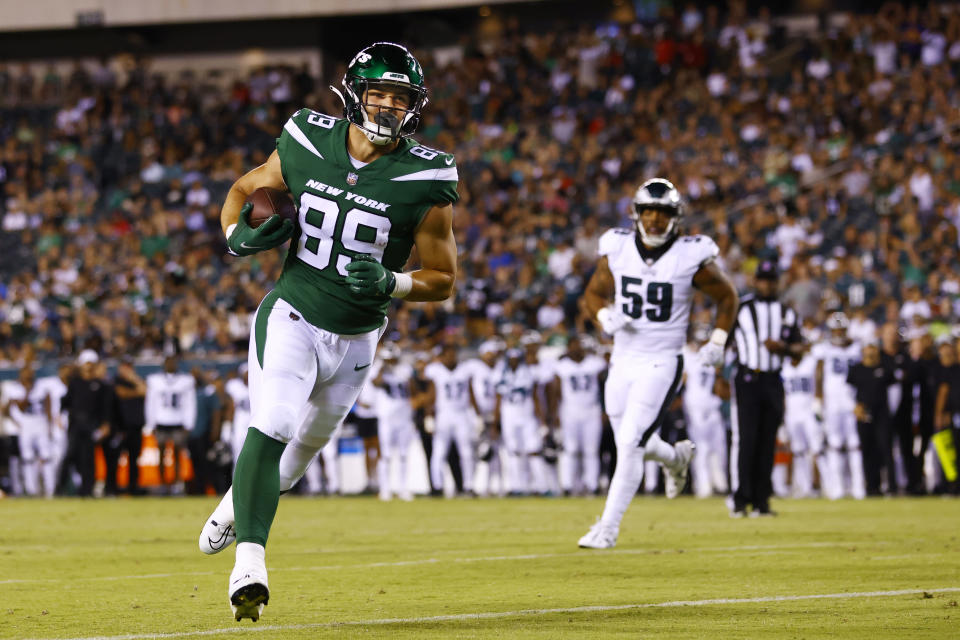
(757, 321)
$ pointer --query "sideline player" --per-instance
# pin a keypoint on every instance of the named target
(237, 388)
(366, 194)
(448, 393)
(834, 357)
(484, 376)
(576, 389)
(650, 273)
(803, 428)
(395, 428)
(30, 408)
(701, 406)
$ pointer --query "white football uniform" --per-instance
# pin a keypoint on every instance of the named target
(581, 422)
(799, 379)
(454, 420)
(171, 400)
(395, 426)
(520, 429)
(656, 294)
(36, 446)
(483, 380)
(803, 429)
(56, 389)
(839, 422)
(238, 391)
(396, 430)
(839, 399)
(704, 425)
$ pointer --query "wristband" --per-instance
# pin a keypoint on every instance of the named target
(719, 336)
(402, 286)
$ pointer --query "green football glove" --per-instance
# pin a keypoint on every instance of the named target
(245, 240)
(368, 278)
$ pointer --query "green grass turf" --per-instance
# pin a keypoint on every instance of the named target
(340, 567)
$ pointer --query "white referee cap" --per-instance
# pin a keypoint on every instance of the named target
(88, 356)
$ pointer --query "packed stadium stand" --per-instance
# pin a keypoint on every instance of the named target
(825, 142)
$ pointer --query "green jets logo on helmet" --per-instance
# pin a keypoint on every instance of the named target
(391, 68)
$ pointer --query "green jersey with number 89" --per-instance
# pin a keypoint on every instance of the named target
(345, 211)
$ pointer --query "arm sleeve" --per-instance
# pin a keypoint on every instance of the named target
(444, 189)
(608, 242)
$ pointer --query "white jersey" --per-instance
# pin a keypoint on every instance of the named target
(452, 385)
(237, 389)
(838, 396)
(516, 389)
(799, 382)
(579, 382)
(700, 377)
(56, 389)
(484, 381)
(171, 400)
(393, 396)
(34, 414)
(655, 294)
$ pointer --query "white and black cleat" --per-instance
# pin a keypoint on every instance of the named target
(215, 537)
(248, 593)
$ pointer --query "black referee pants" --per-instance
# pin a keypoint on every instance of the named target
(759, 413)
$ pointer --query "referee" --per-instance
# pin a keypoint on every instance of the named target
(765, 332)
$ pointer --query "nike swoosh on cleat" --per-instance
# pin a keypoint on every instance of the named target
(449, 161)
(357, 367)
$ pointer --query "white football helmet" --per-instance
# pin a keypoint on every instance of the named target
(658, 193)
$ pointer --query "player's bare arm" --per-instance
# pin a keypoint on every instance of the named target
(268, 175)
(437, 249)
(600, 290)
(717, 286)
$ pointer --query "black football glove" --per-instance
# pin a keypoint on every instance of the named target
(368, 278)
(245, 240)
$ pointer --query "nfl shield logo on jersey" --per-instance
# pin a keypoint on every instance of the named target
(352, 178)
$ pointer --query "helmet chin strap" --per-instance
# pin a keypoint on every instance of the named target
(654, 241)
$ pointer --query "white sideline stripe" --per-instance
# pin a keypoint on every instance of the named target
(768, 549)
(494, 615)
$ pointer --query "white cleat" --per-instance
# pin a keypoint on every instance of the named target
(248, 591)
(216, 536)
(600, 536)
(676, 477)
(406, 496)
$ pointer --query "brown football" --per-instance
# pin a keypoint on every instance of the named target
(267, 202)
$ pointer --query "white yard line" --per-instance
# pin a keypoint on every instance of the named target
(495, 615)
(757, 549)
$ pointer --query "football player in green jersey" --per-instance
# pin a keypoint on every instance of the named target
(366, 194)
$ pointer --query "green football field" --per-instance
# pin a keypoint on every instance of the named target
(352, 567)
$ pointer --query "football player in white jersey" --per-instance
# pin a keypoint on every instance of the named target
(395, 428)
(836, 397)
(701, 406)
(521, 413)
(448, 392)
(576, 390)
(170, 409)
(56, 389)
(641, 293)
(30, 408)
(239, 411)
(485, 373)
(803, 428)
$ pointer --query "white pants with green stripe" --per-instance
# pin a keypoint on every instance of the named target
(303, 379)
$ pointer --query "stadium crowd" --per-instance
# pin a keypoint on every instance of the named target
(832, 152)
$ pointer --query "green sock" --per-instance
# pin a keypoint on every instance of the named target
(256, 486)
